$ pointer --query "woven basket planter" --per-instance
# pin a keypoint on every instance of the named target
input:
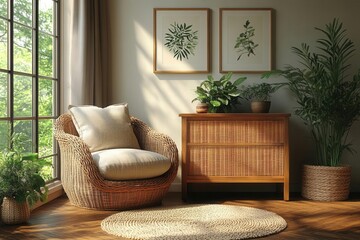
(323, 183)
(13, 212)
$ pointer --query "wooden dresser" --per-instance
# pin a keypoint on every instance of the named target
(235, 148)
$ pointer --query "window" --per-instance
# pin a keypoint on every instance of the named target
(29, 75)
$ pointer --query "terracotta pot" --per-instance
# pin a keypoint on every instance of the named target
(323, 183)
(13, 212)
(202, 108)
(260, 106)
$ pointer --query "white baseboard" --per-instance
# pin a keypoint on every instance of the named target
(55, 190)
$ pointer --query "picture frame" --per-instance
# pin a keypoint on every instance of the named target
(181, 40)
(245, 40)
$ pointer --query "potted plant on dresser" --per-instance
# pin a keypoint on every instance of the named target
(329, 104)
(21, 184)
(259, 95)
(219, 95)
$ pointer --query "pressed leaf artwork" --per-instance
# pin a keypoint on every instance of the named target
(244, 43)
(181, 40)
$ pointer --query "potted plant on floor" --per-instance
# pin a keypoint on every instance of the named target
(220, 95)
(329, 104)
(259, 95)
(21, 184)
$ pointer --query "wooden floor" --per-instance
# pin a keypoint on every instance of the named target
(306, 219)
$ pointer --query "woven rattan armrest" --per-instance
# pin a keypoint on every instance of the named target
(75, 149)
(152, 140)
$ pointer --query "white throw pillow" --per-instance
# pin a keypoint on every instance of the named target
(129, 164)
(104, 128)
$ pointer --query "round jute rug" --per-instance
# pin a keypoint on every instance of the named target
(196, 221)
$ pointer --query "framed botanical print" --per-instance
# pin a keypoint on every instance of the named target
(245, 40)
(182, 40)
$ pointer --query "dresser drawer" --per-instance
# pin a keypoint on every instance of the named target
(236, 132)
(236, 161)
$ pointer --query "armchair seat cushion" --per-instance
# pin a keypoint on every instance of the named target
(129, 164)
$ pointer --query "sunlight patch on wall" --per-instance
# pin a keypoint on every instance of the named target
(162, 96)
(144, 46)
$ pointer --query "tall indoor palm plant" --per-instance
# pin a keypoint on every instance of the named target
(328, 98)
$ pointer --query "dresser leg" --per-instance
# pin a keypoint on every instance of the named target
(286, 191)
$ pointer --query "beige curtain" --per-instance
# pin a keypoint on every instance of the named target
(84, 50)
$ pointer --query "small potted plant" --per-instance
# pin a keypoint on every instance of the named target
(259, 95)
(21, 184)
(220, 95)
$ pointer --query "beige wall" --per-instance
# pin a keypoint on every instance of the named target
(159, 98)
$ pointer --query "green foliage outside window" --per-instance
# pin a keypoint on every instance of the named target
(23, 91)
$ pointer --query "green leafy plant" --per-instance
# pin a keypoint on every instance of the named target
(260, 91)
(244, 43)
(181, 40)
(329, 100)
(20, 177)
(221, 95)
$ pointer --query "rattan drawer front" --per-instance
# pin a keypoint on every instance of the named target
(236, 161)
(235, 148)
(236, 132)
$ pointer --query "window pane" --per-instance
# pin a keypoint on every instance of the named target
(48, 171)
(22, 96)
(46, 146)
(25, 127)
(3, 43)
(3, 8)
(22, 49)
(45, 55)
(46, 97)
(46, 15)
(4, 133)
(23, 11)
(4, 100)
(46, 139)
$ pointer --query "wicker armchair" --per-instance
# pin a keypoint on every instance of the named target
(85, 186)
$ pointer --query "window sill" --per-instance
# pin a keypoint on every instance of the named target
(55, 191)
